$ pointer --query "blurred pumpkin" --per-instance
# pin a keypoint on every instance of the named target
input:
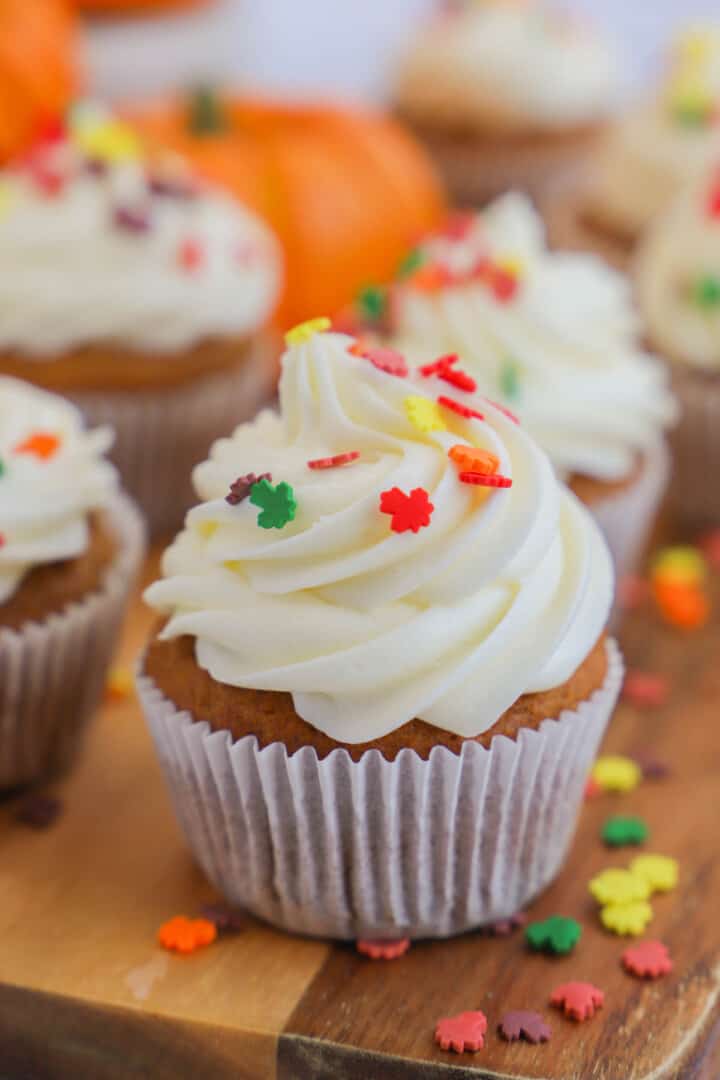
(37, 72)
(346, 191)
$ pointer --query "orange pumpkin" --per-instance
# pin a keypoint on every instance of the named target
(37, 75)
(346, 191)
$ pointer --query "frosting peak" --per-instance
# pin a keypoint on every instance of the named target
(52, 474)
(552, 335)
(394, 589)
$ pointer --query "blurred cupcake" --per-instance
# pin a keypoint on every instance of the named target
(506, 93)
(70, 545)
(678, 285)
(553, 337)
(649, 153)
(336, 657)
(140, 295)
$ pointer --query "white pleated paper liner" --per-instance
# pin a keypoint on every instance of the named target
(696, 446)
(376, 848)
(626, 517)
(52, 673)
(161, 434)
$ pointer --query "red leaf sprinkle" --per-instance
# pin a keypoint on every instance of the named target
(190, 255)
(387, 360)
(460, 379)
(648, 960)
(645, 688)
(439, 366)
(409, 512)
(131, 220)
(495, 480)
(334, 461)
(383, 950)
(466, 1031)
(578, 1000)
(529, 1026)
(241, 488)
(459, 408)
(505, 411)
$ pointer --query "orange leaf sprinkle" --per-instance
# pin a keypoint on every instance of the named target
(184, 935)
(43, 444)
(472, 459)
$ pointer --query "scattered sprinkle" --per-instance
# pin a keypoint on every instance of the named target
(485, 480)
(440, 366)
(43, 444)
(39, 811)
(529, 1026)
(680, 564)
(306, 330)
(131, 219)
(372, 303)
(556, 935)
(614, 772)
(648, 960)
(459, 408)
(463, 1032)
(119, 684)
(619, 887)
(411, 263)
(627, 919)
(592, 788)
(505, 927)
(388, 360)
(110, 141)
(225, 919)
(645, 688)
(473, 459)
(684, 607)
(278, 504)
(659, 872)
(621, 831)
(510, 380)
(184, 935)
(409, 512)
(48, 181)
(504, 284)
(424, 414)
(709, 542)
(578, 1000)
(458, 225)
(706, 291)
(190, 255)
(652, 768)
(460, 379)
(335, 461)
(503, 409)
(383, 950)
(241, 488)
(632, 592)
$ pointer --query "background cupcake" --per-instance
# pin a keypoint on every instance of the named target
(336, 656)
(678, 286)
(506, 94)
(139, 294)
(648, 154)
(553, 337)
(70, 545)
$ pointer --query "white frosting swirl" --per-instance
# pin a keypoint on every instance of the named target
(508, 67)
(582, 386)
(678, 276)
(46, 493)
(70, 275)
(504, 592)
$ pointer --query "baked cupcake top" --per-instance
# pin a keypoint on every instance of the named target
(678, 276)
(405, 558)
(662, 143)
(552, 335)
(507, 66)
(101, 245)
(52, 476)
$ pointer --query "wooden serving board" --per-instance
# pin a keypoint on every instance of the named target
(85, 991)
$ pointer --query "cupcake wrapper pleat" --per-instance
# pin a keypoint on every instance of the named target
(160, 435)
(627, 517)
(377, 848)
(52, 673)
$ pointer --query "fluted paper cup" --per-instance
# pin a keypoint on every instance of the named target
(161, 434)
(377, 848)
(52, 673)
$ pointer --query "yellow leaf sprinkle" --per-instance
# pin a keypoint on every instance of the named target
(679, 565)
(111, 141)
(659, 872)
(630, 919)
(424, 414)
(616, 773)
(619, 887)
(119, 684)
(306, 330)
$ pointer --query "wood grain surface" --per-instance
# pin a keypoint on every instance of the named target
(85, 992)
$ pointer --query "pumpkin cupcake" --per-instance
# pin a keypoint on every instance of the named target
(140, 295)
(335, 657)
(677, 274)
(507, 94)
(647, 156)
(552, 336)
(70, 545)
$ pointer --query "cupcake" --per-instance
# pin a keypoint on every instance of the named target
(138, 294)
(381, 672)
(677, 275)
(553, 337)
(648, 155)
(506, 94)
(70, 545)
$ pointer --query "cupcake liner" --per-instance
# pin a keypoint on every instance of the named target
(160, 435)
(696, 446)
(52, 673)
(477, 171)
(377, 848)
(627, 517)
(570, 227)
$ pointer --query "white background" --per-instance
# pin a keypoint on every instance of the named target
(322, 47)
